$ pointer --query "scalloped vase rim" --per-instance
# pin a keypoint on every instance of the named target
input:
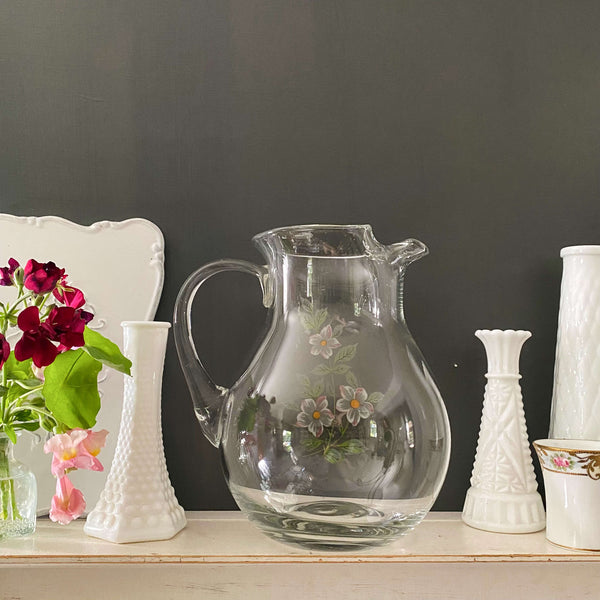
(502, 331)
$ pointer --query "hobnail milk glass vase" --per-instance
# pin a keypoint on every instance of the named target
(18, 494)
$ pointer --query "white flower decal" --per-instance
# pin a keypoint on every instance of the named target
(323, 343)
(315, 415)
(354, 403)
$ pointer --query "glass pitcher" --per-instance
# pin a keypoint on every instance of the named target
(336, 436)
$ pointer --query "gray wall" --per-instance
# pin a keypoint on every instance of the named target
(472, 125)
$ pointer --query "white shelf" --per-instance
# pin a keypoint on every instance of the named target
(221, 555)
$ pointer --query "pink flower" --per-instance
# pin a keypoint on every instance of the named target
(41, 278)
(6, 273)
(95, 441)
(315, 415)
(36, 340)
(68, 503)
(71, 452)
(323, 343)
(68, 295)
(561, 461)
(4, 350)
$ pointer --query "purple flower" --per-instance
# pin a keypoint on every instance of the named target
(36, 340)
(67, 324)
(6, 273)
(41, 278)
(4, 350)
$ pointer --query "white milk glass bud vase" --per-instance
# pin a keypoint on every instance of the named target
(138, 502)
(576, 395)
(503, 495)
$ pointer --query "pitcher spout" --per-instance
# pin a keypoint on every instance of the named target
(406, 252)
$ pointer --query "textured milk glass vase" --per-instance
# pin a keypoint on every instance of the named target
(336, 436)
(576, 395)
(503, 496)
(138, 502)
(18, 494)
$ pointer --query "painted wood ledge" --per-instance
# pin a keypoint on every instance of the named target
(222, 555)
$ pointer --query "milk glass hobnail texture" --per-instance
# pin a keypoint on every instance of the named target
(336, 436)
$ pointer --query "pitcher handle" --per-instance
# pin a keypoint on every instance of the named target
(206, 395)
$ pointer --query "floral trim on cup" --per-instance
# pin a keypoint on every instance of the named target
(571, 462)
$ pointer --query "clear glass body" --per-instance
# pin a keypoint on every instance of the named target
(336, 436)
(18, 494)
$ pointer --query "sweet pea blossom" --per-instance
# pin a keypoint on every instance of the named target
(6, 273)
(323, 343)
(70, 450)
(95, 441)
(354, 403)
(41, 278)
(315, 415)
(36, 340)
(68, 503)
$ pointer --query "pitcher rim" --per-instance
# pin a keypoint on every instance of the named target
(276, 230)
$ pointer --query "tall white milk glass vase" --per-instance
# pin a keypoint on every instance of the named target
(503, 495)
(138, 502)
(576, 396)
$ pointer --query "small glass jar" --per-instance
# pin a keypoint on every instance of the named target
(18, 494)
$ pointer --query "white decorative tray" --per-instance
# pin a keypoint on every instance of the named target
(120, 268)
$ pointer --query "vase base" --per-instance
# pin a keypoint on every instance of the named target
(16, 528)
(504, 513)
(329, 524)
(119, 529)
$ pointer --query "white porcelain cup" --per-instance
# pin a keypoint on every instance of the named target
(571, 470)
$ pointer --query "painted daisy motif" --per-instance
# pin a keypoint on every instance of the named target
(315, 415)
(323, 343)
(354, 403)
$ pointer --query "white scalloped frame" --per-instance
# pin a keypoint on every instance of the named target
(120, 267)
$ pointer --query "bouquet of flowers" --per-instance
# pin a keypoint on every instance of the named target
(49, 378)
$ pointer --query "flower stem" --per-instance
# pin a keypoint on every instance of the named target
(8, 501)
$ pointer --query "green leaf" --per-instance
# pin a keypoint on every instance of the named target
(17, 370)
(345, 354)
(304, 381)
(352, 447)
(10, 432)
(340, 369)
(105, 351)
(320, 318)
(333, 455)
(312, 443)
(375, 397)
(71, 389)
(317, 390)
(306, 305)
(351, 379)
(337, 330)
(322, 369)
